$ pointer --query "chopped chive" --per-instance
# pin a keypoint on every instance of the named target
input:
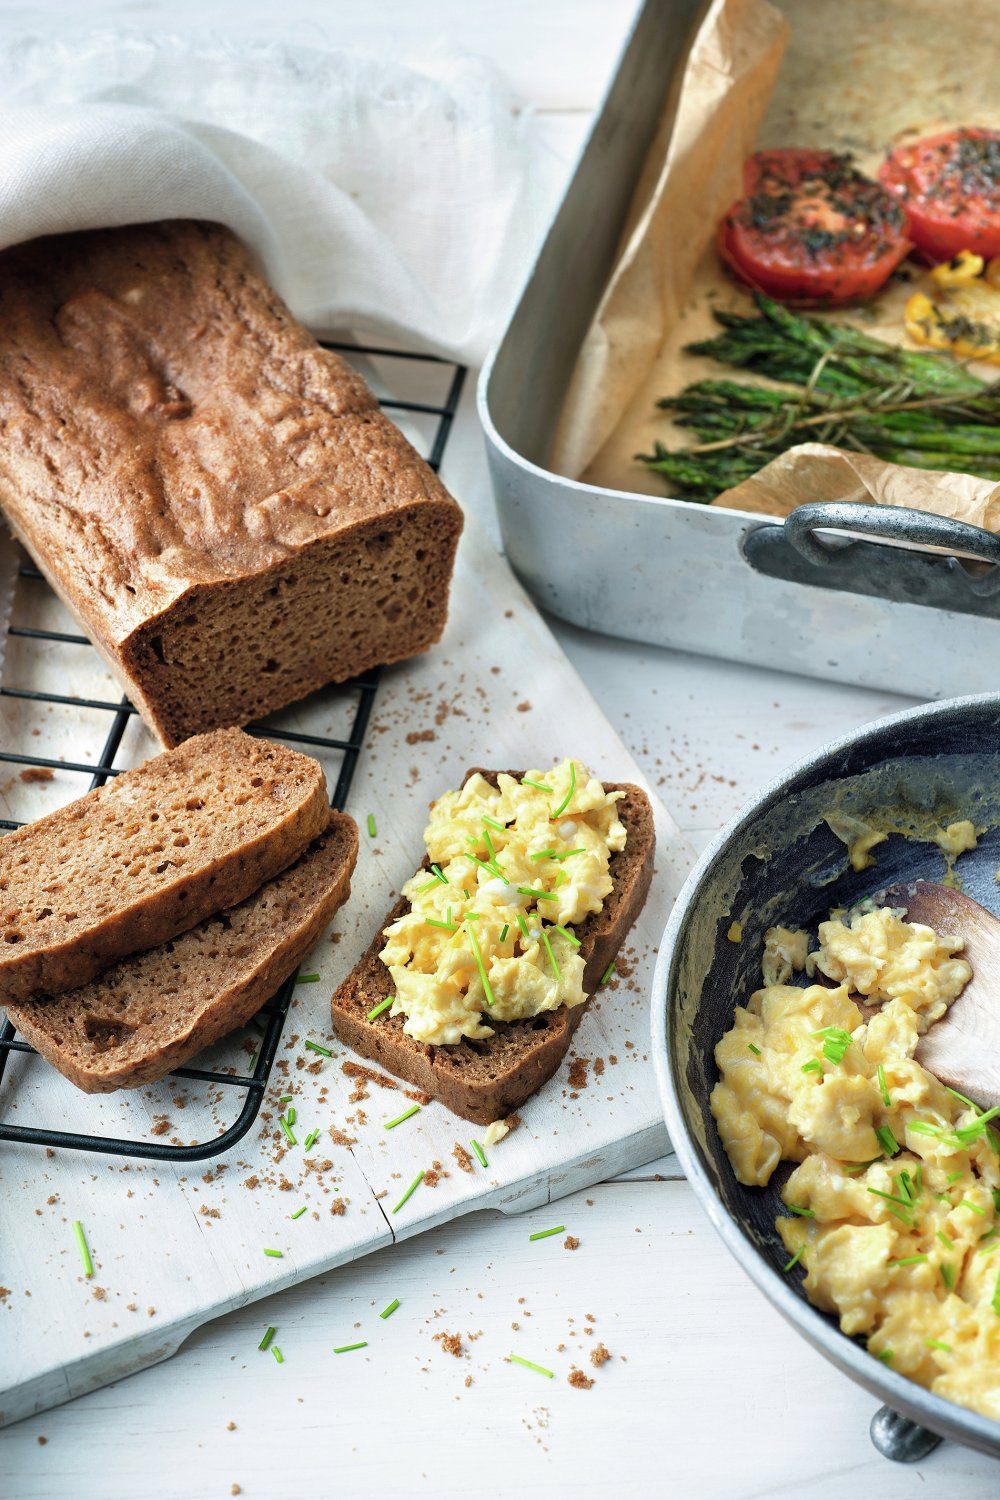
(552, 958)
(755, 1050)
(946, 1242)
(995, 1302)
(439, 874)
(372, 830)
(290, 1114)
(529, 890)
(607, 974)
(346, 1348)
(423, 889)
(543, 1234)
(954, 1176)
(377, 1010)
(409, 1192)
(960, 1097)
(414, 1109)
(289, 1132)
(275, 1254)
(504, 931)
(523, 925)
(948, 1274)
(877, 1193)
(81, 1240)
(795, 1258)
(286, 1098)
(492, 822)
(387, 1312)
(473, 916)
(926, 1127)
(812, 1066)
(568, 853)
(318, 1047)
(966, 1134)
(528, 1364)
(885, 1356)
(937, 1344)
(918, 1177)
(307, 979)
(298, 1212)
(310, 1139)
(835, 1042)
(253, 1061)
(906, 1260)
(477, 1148)
(540, 786)
(544, 854)
(561, 879)
(886, 1096)
(569, 795)
(906, 1186)
(490, 845)
(279, 1357)
(490, 998)
(491, 867)
(570, 936)
(268, 1336)
(968, 1203)
(803, 1213)
(444, 926)
(887, 1140)
(466, 893)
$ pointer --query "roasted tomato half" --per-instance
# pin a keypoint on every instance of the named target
(812, 228)
(949, 185)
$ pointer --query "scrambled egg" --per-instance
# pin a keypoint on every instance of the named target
(489, 933)
(893, 1206)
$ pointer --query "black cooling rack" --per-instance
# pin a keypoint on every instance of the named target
(272, 1015)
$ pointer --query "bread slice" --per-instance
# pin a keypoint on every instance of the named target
(136, 862)
(152, 1012)
(485, 1080)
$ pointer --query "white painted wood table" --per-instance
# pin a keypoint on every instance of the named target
(707, 1392)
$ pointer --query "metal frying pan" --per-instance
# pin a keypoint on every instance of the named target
(780, 861)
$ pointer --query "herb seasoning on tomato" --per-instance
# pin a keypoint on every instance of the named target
(949, 185)
(812, 228)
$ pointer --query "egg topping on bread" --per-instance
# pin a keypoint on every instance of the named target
(511, 869)
(893, 1206)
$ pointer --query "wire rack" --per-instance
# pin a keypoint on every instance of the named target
(437, 418)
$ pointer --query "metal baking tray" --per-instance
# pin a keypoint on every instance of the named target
(879, 597)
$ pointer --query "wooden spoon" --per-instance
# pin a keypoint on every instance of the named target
(962, 1049)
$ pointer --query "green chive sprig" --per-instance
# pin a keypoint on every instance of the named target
(544, 1234)
(407, 1114)
(529, 1364)
(409, 1191)
(84, 1249)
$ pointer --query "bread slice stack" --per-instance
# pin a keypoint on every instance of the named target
(155, 914)
(485, 1080)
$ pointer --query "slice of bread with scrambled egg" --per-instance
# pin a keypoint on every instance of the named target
(476, 982)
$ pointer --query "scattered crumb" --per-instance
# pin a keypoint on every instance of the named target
(599, 1355)
(434, 1174)
(578, 1380)
(463, 1158)
(420, 736)
(36, 773)
(468, 1380)
(338, 1208)
(578, 1073)
(230, 1426)
(100, 1293)
(340, 1138)
(160, 1126)
(42, 1441)
(234, 1489)
(451, 1343)
(524, 708)
(571, 1242)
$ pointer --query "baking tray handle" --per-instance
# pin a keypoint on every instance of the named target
(961, 573)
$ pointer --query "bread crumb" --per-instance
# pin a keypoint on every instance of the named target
(578, 1073)
(462, 1157)
(524, 708)
(578, 1380)
(571, 1242)
(599, 1356)
(468, 1381)
(160, 1126)
(451, 1343)
(230, 1426)
(234, 1489)
(338, 1208)
(36, 773)
(42, 1441)
(420, 736)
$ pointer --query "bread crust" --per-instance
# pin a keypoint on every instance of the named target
(135, 862)
(485, 1080)
(150, 1013)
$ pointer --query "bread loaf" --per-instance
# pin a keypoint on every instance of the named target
(218, 499)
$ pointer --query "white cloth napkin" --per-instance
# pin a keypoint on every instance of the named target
(376, 196)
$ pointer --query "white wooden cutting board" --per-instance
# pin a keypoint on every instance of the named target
(173, 1245)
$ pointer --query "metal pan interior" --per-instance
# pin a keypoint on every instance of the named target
(780, 862)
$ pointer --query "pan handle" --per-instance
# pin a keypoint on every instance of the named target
(888, 523)
(946, 564)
